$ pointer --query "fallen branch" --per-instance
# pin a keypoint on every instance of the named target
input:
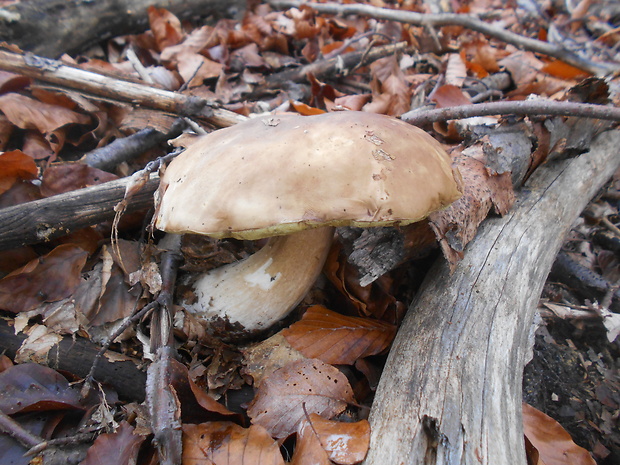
(523, 107)
(451, 389)
(45, 219)
(53, 27)
(56, 72)
(338, 65)
(454, 19)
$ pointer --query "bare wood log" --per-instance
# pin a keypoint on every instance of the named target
(53, 27)
(45, 219)
(451, 390)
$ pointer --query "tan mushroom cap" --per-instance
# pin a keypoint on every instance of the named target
(278, 175)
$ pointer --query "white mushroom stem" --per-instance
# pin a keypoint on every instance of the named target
(260, 290)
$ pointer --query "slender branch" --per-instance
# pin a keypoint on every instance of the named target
(523, 107)
(455, 19)
(56, 72)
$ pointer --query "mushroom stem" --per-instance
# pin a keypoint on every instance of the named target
(252, 294)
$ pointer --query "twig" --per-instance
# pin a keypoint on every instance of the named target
(523, 107)
(341, 64)
(17, 431)
(455, 19)
(58, 73)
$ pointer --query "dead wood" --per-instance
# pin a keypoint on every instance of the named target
(46, 219)
(76, 356)
(56, 72)
(53, 27)
(451, 390)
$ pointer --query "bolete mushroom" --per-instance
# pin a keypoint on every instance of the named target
(293, 179)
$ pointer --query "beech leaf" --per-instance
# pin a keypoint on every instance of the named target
(338, 339)
(226, 443)
(311, 386)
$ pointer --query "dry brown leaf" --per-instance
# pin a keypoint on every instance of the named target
(283, 398)
(226, 443)
(65, 177)
(119, 448)
(344, 443)
(165, 26)
(14, 166)
(449, 95)
(338, 339)
(27, 113)
(553, 443)
(48, 278)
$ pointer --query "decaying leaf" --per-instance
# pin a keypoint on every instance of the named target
(338, 339)
(342, 443)
(263, 358)
(302, 386)
(226, 443)
(14, 166)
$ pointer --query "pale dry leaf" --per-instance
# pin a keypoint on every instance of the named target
(311, 386)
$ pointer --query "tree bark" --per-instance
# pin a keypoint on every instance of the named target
(451, 390)
(53, 27)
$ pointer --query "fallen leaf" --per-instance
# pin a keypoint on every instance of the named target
(118, 448)
(553, 443)
(342, 443)
(283, 398)
(338, 339)
(32, 387)
(65, 177)
(48, 278)
(14, 166)
(226, 443)
(165, 26)
(37, 345)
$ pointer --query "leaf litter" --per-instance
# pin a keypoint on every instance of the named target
(236, 64)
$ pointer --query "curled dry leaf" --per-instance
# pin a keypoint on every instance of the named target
(37, 345)
(553, 443)
(337, 339)
(120, 447)
(343, 443)
(31, 387)
(165, 26)
(49, 278)
(302, 386)
(226, 443)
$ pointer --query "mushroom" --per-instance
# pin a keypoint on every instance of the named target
(293, 179)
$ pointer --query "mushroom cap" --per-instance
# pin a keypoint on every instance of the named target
(281, 174)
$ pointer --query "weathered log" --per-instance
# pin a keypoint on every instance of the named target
(46, 219)
(451, 390)
(53, 27)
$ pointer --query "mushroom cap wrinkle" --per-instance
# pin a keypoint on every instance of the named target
(282, 174)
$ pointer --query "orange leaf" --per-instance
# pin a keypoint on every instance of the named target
(165, 26)
(449, 96)
(343, 443)
(563, 70)
(14, 166)
(553, 443)
(223, 443)
(283, 398)
(338, 339)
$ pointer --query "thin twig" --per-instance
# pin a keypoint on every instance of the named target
(523, 107)
(456, 19)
